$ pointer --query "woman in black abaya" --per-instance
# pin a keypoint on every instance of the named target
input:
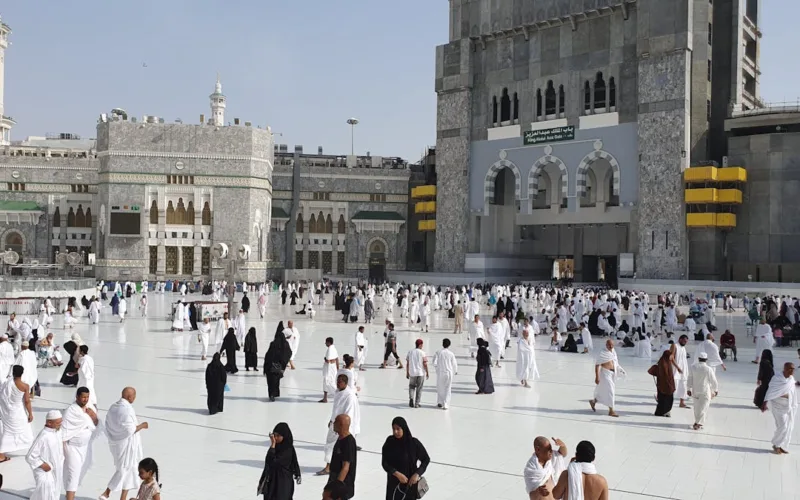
(766, 371)
(251, 350)
(71, 347)
(193, 316)
(281, 469)
(275, 361)
(230, 345)
(216, 377)
(483, 375)
(405, 461)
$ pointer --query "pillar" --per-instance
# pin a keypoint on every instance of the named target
(335, 245)
(161, 269)
(180, 261)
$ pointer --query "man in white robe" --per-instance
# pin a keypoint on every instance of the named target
(203, 336)
(329, 369)
(360, 348)
(476, 331)
(446, 366)
(179, 317)
(497, 340)
(711, 351)
(122, 430)
(6, 357)
(79, 429)
(782, 400)
(27, 359)
(682, 363)
(221, 330)
(763, 338)
(292, 335)
(507, 329)
(46, 458)
(526, 356)
(586, 336)
(16, 414)
(86, 373)
(123, 309)
(345, 402)
(606, 369)
(94, 311)
(240, 326)
(703, 387)
(545, 466)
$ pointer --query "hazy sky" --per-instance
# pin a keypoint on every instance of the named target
(300, 66)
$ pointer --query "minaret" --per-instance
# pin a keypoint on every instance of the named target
(5, 122)
(217, 105)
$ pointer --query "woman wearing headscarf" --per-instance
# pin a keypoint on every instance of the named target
(72, 349)
(570, 345)
(281, 469)
(230, 345)
(766, 370)
(193, 316)
(216, 377)
(483, 374)
(275, 361)
(665, 383)
(251, 350)
(405, 461)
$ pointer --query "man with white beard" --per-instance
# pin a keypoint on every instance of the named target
(446, 366)
(606, 369)
(497, 336)
(292, 335)
(682, 372)
(763, 338)
(122, 430)
(782, 399)
(79, 429)
(345, 402)
(360, 349)
(6, 357)
(46, 458)
(27, 359)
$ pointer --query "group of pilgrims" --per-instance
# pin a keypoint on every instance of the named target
(569, 317)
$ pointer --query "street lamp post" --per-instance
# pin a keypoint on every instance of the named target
(352, 122)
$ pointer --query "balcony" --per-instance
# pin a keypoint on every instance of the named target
(427, 225)
(732, 174)
(423, 192)
(425, 207)
(700, 174)
(729, 196)
(724, 220)
(703, 195)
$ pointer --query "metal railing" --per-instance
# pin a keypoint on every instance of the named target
(767, 108)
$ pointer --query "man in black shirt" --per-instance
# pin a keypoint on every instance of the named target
(343, 463)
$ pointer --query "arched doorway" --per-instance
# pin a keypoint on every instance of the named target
(377, 261)
(13, 241)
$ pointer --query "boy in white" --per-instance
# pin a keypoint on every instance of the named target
(446, 368)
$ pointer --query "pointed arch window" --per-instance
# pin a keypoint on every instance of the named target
(170, 213)
(494, 109)
(80, 217)
(505, 106)
(516, 107)
(342, 225)
(329, 225)
(88, 217)
(190, 213)
(206, 214)
(538, 103)
(612, 93)
(599, 92)
(320, 222)
(561, 100)
(550, 99)
(57, 218)
(180, 212)
(71, 218)
(312, 224)
(154, 212)
(299, 226)
(587, 96)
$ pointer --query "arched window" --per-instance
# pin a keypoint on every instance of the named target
(538, 103)
(80, 217)
(154, 212)
(180, 212)
(494, 109)
(587, 96)
(599, 92)
(516, 106)
(505, 106)
(190, 214)
(561, 99)
(342, 225)
(298, 228)
(57, 218)
(88, 217)
(320, 222)
(550, 99)
(612, 92)
(329, 225)
(71, 218)
(312, 224)
(206, 214)
(170, 213)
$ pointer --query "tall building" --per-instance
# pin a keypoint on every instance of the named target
(6, 122)
(564, 128)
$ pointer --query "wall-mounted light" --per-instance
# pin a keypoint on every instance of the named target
(683, 153)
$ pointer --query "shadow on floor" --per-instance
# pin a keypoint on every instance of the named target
(723, 447)
(309, 446)
(384, 405)
(662, 425)
(197, 411)
(260, 444)
(551, 411)
(258, 464)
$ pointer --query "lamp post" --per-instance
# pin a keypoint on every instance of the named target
(352, 122)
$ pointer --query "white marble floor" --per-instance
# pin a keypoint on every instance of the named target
(478, 448)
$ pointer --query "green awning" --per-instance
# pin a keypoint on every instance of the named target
(19, 206)
(279, 213)
(380, 216)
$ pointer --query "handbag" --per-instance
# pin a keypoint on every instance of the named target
(412, 492)
(276, 368)
(227, 388)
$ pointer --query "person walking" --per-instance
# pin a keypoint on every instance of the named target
(665, 383)
(405, 461)
(275, 362)
(281, 469)
(391, 345)
(416, 373)
(703, 387)
(216, 377)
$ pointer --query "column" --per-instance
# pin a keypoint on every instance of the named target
(335, 245)
(198, 261)
(62, 236)
(180, 260)
(305, 243)
(161, 269)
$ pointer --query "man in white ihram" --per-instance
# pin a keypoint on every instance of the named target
(27, 359)
(86, 373)
(702, 383)
(6, 356)
(497, 340)
(122, 430)
(446, 368)
(79, 429)
(292, 335)
(544, 468)
(762, 338)
(782, 400)
(46, 458)
(360, 348)
(345, 402)
(606, 369)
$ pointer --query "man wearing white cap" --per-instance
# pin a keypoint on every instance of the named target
(46, 458)
(6, 357)
(27, 359)
(79, 430)
(122, 429)
(702, 386)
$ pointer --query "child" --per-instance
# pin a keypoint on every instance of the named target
(148, 473)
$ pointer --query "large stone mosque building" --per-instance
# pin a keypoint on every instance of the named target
(590, 140)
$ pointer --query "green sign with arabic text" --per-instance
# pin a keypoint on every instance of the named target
(557, 134)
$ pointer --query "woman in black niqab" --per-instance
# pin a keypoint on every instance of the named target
(275, 361)
(766, 370)
(193, 316)
(281, 469)
(483, 372)
(216, 377)
(251, 350)
(404, 459)
(230, 345)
